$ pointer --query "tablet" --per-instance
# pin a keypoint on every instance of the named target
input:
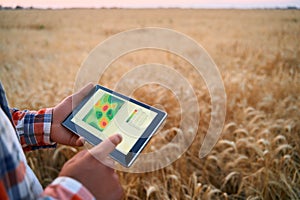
(104, 112)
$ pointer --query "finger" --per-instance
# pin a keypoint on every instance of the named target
(102, 150)
(78, 96)
(109, 162)
(80, 141)
(80, 154)
(65, 107)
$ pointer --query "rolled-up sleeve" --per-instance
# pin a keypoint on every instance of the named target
(33, 128)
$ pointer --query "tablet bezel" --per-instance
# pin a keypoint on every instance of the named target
(125, 160)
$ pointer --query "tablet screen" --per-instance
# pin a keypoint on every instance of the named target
(106, 113)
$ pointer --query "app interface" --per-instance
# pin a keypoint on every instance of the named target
(105, 114)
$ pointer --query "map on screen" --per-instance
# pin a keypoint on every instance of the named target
(103, 111)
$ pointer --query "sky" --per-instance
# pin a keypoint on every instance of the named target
(151, 3)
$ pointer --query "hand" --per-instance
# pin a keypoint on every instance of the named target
(87, 167)
(59, 133)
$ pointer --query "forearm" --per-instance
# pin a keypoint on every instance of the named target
(33, 128)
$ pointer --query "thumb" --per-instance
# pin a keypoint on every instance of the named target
(78, 96)
(102, 150)
(63, 109)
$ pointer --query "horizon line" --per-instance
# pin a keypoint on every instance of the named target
(150, 7)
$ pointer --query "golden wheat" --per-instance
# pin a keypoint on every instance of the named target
(257, 51)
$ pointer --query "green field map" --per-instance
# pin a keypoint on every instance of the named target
(103, 111)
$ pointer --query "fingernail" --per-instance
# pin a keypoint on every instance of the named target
(82, 139)
(117, 139)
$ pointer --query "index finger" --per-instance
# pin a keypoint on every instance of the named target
(102, 150)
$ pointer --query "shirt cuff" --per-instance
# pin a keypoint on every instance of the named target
(67, 188)
(33, 128)
(47, 126)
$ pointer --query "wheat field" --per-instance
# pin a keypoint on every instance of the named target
(257, 52)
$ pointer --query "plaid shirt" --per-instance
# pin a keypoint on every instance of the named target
(31, 129)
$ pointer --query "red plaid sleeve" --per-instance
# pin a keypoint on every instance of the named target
(33, 128)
